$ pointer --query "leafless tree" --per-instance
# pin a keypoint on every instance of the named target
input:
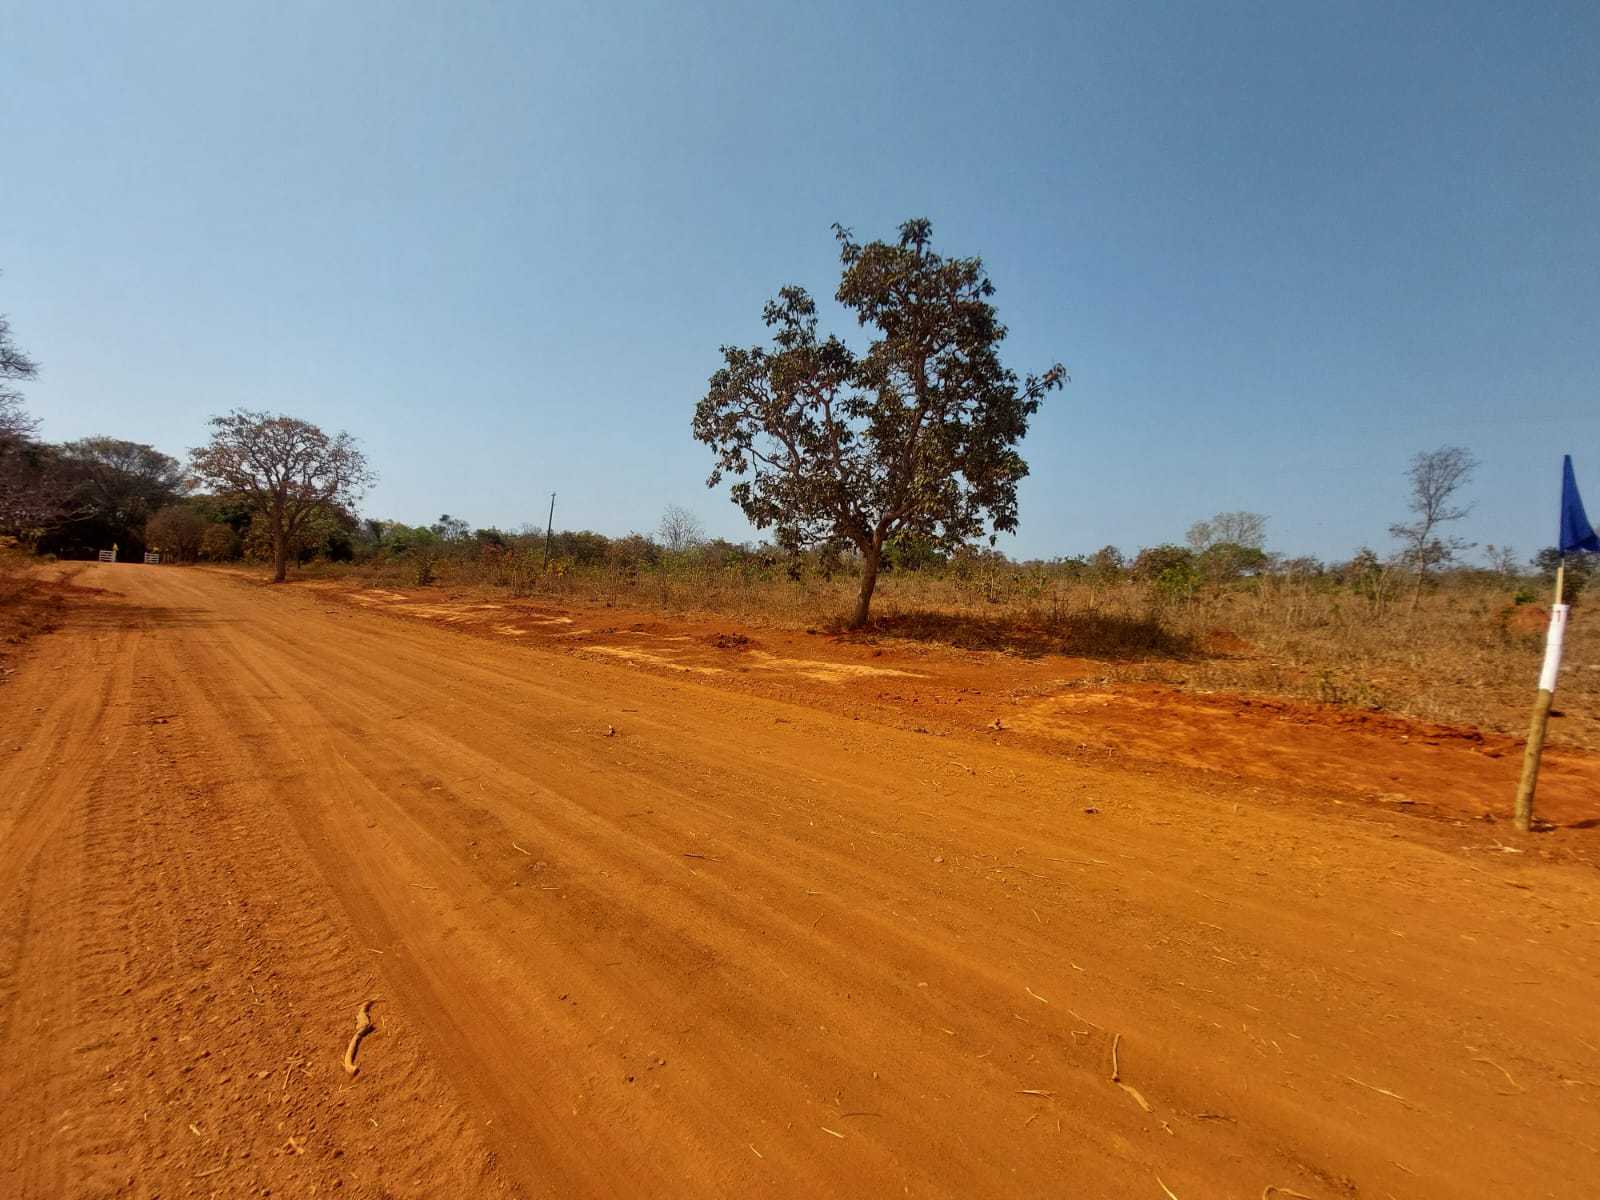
(1436, 476)
(289, 470)
(15, 423)
(35, 492)
(1245, 529)
(1502, 559)
(14, 367)
(680, 529)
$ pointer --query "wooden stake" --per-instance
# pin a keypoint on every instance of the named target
(549, 530)
(1541, 718)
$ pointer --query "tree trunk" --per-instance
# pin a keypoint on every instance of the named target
(280, 553)
(871, 558)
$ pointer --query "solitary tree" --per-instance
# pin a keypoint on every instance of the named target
(1435, 477)
(451, 529)
(916, 435)
(1106, 563)
(288, 469)
(1245, 529)
(680, 529)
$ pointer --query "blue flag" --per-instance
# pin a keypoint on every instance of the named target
(1576, 532)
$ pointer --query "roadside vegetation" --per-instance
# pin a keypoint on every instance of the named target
(880, 479)
(1463, 648)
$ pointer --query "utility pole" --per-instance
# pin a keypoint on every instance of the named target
(549, 530)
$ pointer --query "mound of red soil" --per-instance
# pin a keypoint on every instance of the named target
(1524, 618)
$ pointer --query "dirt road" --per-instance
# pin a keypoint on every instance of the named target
(631, 935)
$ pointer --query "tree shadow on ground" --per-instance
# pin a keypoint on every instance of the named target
(1078, 635)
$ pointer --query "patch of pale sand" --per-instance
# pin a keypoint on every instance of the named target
(819, 669)
(438, 612)
(1053, 716)
(1076, 701)
(510, 630)
(381, 593)
(656, 660)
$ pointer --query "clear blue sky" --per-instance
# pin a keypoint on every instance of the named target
(1280, 246)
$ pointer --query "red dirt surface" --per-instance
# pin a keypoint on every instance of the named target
(659, 913)
(1053, 704)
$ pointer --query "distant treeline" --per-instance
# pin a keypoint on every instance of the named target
(1172, 571)
(90, 495)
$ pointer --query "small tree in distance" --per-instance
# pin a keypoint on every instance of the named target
(1502, 559)
(1246, 529)
(288, 469)
(1435, 477)
(918, 435)
(680, 529)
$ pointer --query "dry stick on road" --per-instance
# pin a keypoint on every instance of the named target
(1519, 1088)
(1381, 1091)
(364, 1026)
(1116, 1078)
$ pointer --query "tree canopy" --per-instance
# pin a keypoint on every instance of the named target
(290, 471)
(917, 435)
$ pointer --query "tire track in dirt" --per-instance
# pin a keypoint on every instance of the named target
(1151, 984)
(182, 996)
(42, 875)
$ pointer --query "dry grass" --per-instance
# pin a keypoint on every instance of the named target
(1465, 654)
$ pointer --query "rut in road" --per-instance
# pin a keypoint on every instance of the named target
(740, 947)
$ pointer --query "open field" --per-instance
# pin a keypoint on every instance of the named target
(662, 907)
